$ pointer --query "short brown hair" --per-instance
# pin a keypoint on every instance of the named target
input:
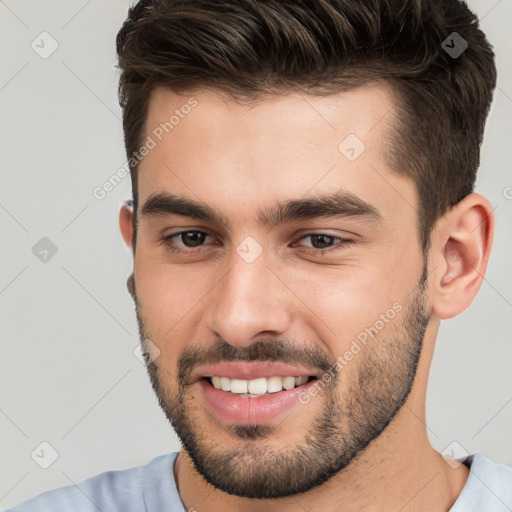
(248, 48)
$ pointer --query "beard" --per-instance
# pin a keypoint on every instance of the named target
(350, 418)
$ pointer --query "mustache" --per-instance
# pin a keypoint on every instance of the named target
(271, 350)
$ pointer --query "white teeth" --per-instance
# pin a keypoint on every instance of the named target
(289, 382)
(238, 386)
(257, 387)
(274, 384)
(225, 384)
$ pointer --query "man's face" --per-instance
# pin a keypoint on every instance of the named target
(261, 291)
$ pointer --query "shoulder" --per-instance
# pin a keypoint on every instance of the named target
(489, 486)
(109, 491)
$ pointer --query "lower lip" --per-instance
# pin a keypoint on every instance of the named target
(232, 408)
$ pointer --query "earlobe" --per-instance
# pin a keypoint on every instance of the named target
(460, 254)
(126, 224)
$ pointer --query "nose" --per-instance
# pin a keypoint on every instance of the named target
(248, 302)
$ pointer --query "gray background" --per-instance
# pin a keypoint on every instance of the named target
(68, 373)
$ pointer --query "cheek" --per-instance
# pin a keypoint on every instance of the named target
(344, 302)
(170, 297)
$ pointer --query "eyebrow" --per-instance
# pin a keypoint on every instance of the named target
(338, 204)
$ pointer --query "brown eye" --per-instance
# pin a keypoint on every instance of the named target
(321, 241)
(186, 241)
(192, 238)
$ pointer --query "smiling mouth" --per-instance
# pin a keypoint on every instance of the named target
(255, 388)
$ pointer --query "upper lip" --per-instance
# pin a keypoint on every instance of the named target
(249, 371)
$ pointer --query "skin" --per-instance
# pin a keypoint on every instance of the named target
(241, 158)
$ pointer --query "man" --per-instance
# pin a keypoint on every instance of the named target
(303, 218)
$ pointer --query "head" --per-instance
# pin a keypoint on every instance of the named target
(254, 127)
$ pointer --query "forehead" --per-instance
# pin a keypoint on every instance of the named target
(211, 148)
(360, 109)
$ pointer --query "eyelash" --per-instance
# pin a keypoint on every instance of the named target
(342, 243)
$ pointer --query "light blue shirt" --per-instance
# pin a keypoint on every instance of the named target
(152, 488)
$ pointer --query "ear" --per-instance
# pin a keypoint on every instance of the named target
(461, 245)
(126, 224)
(126, 227)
